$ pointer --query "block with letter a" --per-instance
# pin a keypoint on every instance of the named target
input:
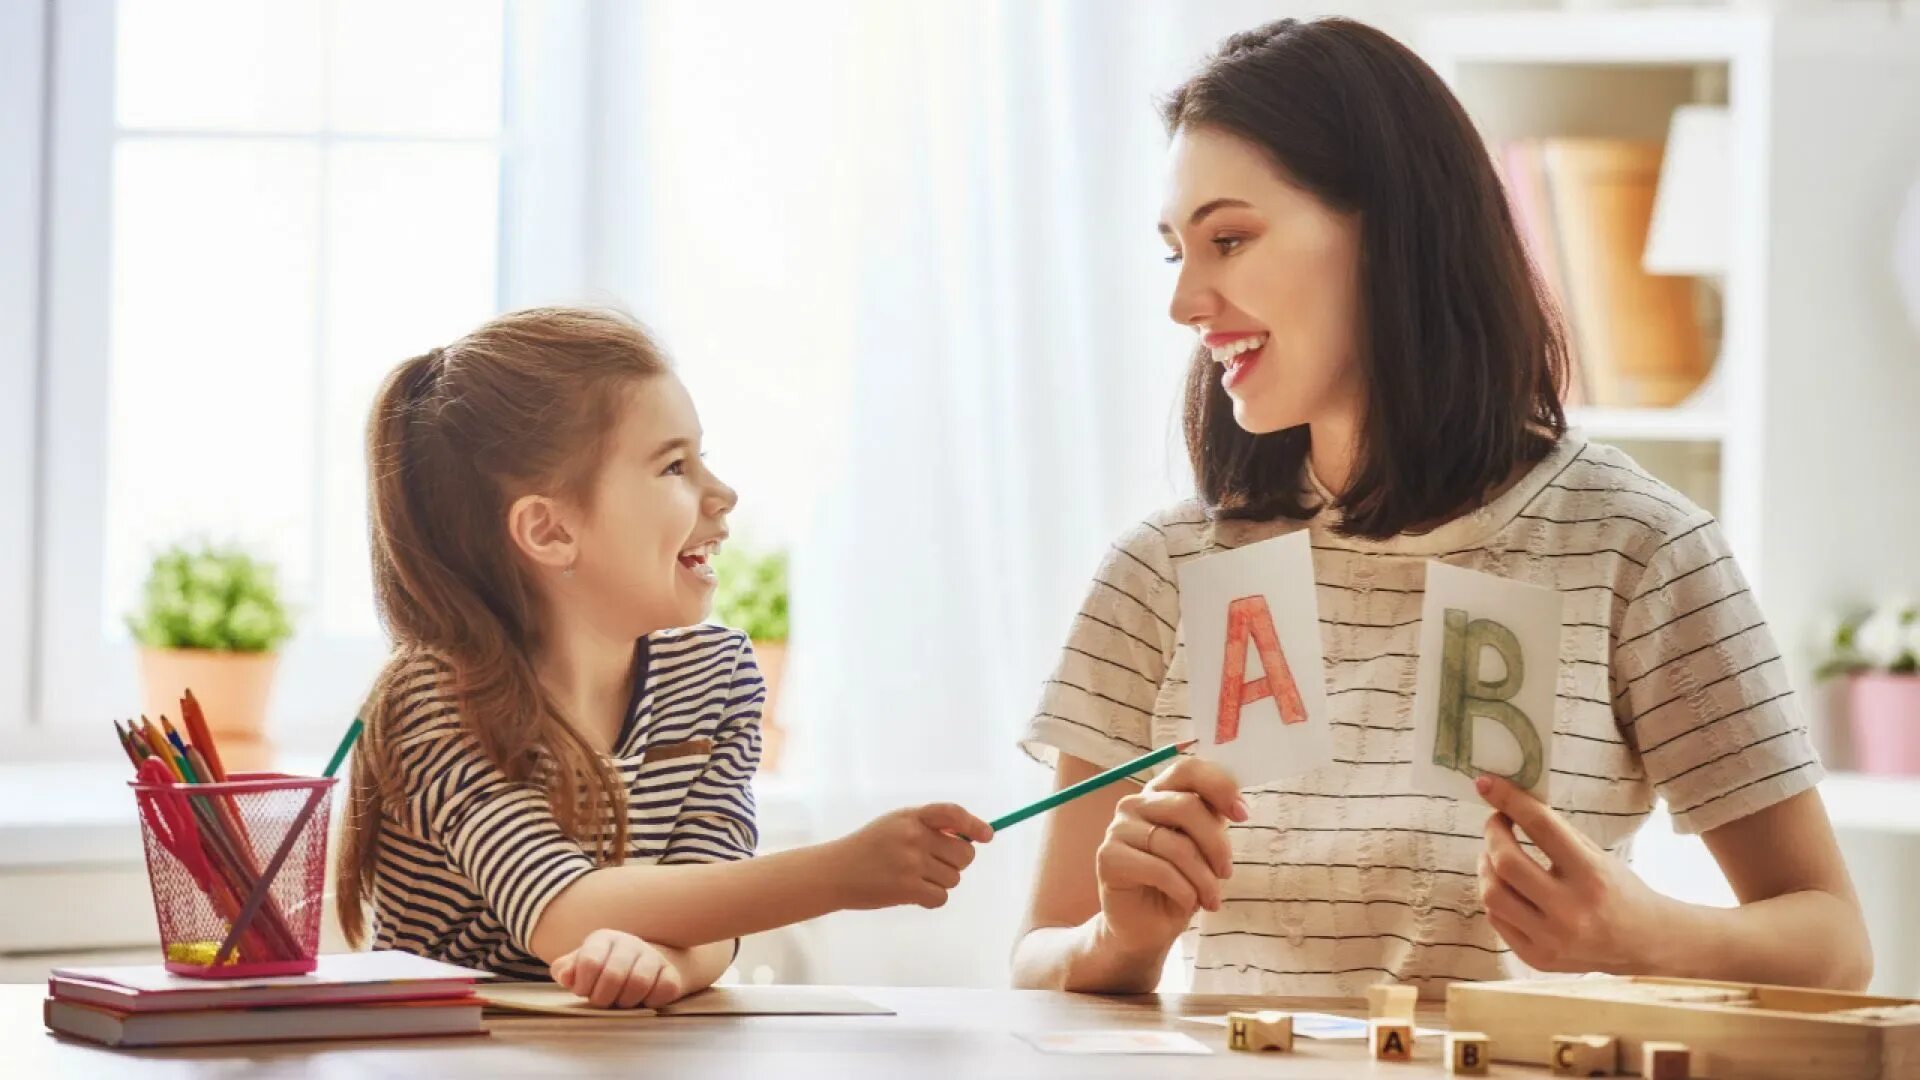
(1489, 673)
(1256, 682)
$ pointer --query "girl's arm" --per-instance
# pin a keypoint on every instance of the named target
(615, 970)
(1798, 922)
(910, 856)
(1121, 876)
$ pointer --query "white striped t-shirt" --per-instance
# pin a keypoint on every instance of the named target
(465, 875)
(1670, 685)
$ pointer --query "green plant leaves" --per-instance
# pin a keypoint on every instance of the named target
(208, 597)
(752, 593)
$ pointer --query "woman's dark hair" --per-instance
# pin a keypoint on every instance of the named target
(1461, 346)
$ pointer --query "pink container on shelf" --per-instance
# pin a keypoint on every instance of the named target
(1885, 715)
(209, 847)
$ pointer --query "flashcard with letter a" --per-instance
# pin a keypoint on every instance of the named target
(1489, 674)
(1256, 681)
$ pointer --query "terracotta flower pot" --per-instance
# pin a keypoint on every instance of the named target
(1885, 713)
(232, 689)
(772, 657)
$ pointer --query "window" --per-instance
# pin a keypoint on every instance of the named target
(258, 210)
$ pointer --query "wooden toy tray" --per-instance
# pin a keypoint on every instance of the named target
(1734, 1029)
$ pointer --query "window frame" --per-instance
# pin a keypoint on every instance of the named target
(66, 679)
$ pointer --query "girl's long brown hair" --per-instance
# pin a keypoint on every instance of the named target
(526, 403)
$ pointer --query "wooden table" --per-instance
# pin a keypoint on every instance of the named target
(937, 1033)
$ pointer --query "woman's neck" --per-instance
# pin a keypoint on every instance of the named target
(589, 673)
(1330, 452)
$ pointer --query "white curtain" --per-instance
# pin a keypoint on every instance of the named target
(1013, 405)
(905, 254)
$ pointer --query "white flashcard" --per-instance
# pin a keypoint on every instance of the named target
(1488, 678)
(1257, 683)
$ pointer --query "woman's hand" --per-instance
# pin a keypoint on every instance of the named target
(1585, 912)
(911, 856)
(1166, 854)
(614, 969)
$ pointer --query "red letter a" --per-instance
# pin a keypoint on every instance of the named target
(1246, 617)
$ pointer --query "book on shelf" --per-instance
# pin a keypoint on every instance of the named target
(1583, 206)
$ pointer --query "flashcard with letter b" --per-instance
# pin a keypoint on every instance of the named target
(1489, 674)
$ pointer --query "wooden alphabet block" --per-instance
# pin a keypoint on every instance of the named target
(1392, 999)
(1467, 1053)
(1392, 1038)
(1666, 1061)
(1265, 1030)
(1585, 1055)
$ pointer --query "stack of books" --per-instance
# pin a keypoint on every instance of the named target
(376, 995)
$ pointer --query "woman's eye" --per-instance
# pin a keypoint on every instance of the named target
(1172, 257)
(678, 468)
(1226, 244)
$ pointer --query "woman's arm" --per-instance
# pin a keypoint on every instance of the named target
(1121, 876)
(907, 857)
(1798, 922)
(1064, 944)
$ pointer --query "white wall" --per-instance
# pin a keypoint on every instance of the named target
(21, 96)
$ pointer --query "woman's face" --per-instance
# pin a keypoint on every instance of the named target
(1269, 279)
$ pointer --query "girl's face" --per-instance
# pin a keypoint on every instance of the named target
(656, 518)
(1269, 279)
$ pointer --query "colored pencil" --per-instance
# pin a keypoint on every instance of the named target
(260, 890)
(196, 722)
(1065, 795)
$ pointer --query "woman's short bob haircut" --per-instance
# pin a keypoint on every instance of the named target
(1462, 349)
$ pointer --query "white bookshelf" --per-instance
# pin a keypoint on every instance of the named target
(1807, 446)
(1650, 425)
(1819, 376)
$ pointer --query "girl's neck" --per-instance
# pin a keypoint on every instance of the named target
(589, 673)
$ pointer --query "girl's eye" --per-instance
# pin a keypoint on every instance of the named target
(678, 468)
(1172, 257)
(1226, 244)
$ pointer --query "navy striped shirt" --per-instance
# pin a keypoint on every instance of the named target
(466, 874)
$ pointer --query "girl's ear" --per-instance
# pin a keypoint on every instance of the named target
(540, 531)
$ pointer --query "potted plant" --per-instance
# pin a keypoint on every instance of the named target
(1879, 652)
(210, 621)
(752, 597)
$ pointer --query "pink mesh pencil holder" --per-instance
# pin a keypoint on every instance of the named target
(238, 871)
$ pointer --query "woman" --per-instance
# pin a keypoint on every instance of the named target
(1378, 365)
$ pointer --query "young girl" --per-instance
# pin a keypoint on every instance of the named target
(555, 778)
(1377, 365)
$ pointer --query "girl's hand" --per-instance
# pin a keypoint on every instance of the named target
(614, 969)
(1166, 854)
(1585, 912)
(911, 856)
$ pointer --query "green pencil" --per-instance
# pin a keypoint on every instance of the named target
(346, 744)
(1065, 795)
